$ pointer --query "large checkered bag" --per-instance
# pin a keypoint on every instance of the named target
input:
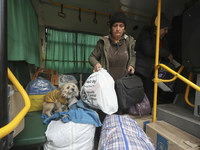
(123, 133)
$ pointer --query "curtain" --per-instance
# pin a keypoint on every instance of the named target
(61, 51)
(85, 45)
(68, 52)
(23, 37)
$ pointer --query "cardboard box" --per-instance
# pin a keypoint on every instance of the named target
(142, 121)
(15, 105)
(168, 137)
(48, 74)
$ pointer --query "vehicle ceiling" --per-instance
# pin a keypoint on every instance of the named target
(48, 12)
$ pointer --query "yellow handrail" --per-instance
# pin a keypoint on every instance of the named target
(170, 80)
(156, 61)
(13, 124)
(176, 74)
(196, 87)
(187, 91)
(174, 78)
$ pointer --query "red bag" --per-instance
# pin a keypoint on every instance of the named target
(142, 108)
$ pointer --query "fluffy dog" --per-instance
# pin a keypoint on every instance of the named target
(64, 95)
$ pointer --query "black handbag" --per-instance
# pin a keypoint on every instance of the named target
(130, 91)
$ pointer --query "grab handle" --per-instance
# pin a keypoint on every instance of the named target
(61, 14)
(95, 20)
(79, 16)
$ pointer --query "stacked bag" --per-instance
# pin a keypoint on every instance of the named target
(68, 136)
(72, 129)
(123, 133)
(101, 92)
(36, 90)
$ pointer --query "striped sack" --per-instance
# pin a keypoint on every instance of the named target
(123, 133)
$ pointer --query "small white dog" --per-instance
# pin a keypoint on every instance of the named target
(64, 95)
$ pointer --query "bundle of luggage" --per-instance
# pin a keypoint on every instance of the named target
(123, 133)
(67, 136)
(67, 128)
(101, 92)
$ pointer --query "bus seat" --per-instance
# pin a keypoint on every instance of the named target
(33, 134)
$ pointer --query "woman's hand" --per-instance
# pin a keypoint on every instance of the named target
(97, 67)
(170, 57)
(131, 69)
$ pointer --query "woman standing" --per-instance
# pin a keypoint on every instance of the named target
(115, 52)
(145, 48)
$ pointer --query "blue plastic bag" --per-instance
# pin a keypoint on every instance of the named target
(39, 86)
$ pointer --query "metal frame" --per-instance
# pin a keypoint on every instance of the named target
(176, 74)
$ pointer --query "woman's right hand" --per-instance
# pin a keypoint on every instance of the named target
(97, 67)
(170, 57)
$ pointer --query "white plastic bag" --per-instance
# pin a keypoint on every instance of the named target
(69, 136)
(98, 92)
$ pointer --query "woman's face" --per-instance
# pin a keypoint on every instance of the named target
(163, 31)
(118, 29)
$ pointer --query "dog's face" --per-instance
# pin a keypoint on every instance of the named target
(69, 90)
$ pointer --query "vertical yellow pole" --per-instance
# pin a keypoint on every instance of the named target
(156, 61)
